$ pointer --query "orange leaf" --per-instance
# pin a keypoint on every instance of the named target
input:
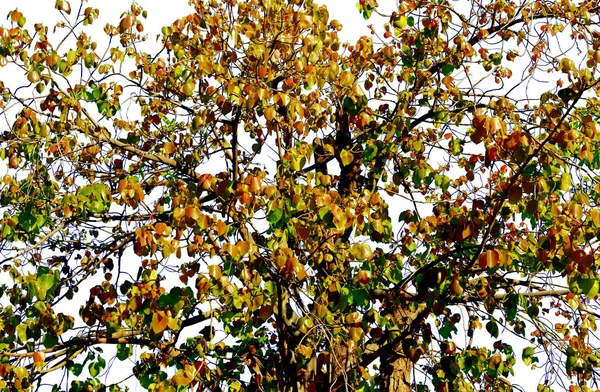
(170, 148)
(243, 247)
(221, 228)
(159, 322)
(178, 213)
(489, 259)
(491, 153)
(262, 71)
(466, 231)
(255, 185)
(205, 181)
(160, 227)
(39, 356)
(192, 212)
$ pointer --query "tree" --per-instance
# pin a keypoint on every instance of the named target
(257, 205)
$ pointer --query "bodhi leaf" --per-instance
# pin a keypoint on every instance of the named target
(46, 283)
(361, 251)
(347, 157)
(96, 197)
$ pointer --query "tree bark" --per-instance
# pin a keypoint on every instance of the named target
(395, 372)
(395, 366)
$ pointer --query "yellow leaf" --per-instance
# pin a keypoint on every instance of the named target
(270, 113)
(262, 93)
(595, 213)
(361, 251)
(281, 99)
(181, 379)
(170, 148)
(346, 78)
(298, 162)
(347, 157)
(378, 226)
(214, 271)
(299, 271)
(174, 324)
(576, 210)
(565, 182)
(203, 222)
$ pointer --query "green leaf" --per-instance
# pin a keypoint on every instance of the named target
(395, 275)
(589, 286)
(123, 351)
(171, 299)
(511, 306)
(447, 69)
(21, 333)
(359, 297)
(350, 106)
(492, 328)
(442, 182)
(370, 153)
(45, 283)
(27, 220)
(97, 197)
(528, 357)
(75, 368)
(529, 170)
(447, 329)
(344, 298)
(49, 340)
(275, 216)
(95, 368)
(270, 287)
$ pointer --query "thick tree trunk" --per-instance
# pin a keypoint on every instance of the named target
(340, 362)
(396, 373)
(396, 368)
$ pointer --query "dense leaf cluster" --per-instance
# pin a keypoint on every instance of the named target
(258, 205)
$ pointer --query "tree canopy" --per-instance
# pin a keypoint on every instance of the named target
(257, 204)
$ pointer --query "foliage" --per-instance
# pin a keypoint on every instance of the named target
(257, 205)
